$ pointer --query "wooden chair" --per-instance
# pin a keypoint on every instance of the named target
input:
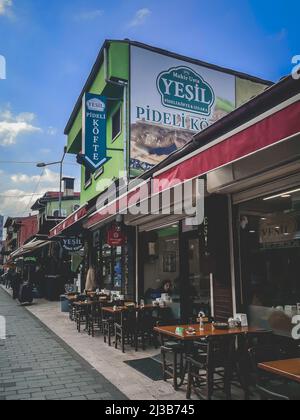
(107, 326)
(212, 370)
(173, 357)
(94, 318)
(145, 328)
(126, 330)
(81, 316)
(173, 363)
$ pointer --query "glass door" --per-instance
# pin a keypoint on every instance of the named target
(195, 278)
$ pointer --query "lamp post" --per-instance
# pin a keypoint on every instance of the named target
(60, 162)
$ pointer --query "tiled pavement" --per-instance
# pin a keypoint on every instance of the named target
(37, 365)
(52, 329)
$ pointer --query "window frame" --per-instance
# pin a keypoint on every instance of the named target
(114, 138)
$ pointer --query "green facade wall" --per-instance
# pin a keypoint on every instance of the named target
(67, 205)
(118, 68)
(246, 89)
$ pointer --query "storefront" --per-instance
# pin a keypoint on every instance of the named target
(263, 189)
(142, 122)
(190, 263)
(112, 254)
(241, 151)
(251, 161)
(269, 245)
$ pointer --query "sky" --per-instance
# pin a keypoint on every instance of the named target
(50, 47)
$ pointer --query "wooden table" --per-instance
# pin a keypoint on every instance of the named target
(120, 309)
(83, 304)
(238, 359)
(111, 310)
(289, 369)
(209, 331)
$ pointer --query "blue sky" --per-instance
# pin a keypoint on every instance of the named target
(50, 47)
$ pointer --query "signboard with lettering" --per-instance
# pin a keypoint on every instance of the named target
(94, 146)
(280, 228)
(115, 236)
(172, 100)
(72, 244)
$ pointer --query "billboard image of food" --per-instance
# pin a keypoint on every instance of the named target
(171, 101)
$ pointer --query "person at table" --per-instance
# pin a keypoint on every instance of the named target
(165, 288)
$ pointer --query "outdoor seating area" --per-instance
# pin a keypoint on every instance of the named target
(200, 358)
(121, 323)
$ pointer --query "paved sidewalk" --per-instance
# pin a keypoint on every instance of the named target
(37, 365)
(97, 356)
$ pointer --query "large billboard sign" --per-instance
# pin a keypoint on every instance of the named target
(172, 100)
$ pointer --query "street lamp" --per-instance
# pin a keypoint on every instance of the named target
(60, 162)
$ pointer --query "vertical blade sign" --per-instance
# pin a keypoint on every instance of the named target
(94, 131)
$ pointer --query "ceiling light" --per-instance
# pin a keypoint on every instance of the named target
(281, 195)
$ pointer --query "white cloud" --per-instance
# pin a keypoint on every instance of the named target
(17, 202)
(140, 17)
(49, 177)
(88, 15)
(5, 7)
(13, 126)
(20, 191)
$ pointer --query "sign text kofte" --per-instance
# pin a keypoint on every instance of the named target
(94, 131)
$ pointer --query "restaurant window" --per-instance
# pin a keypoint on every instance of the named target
(196, 288)
(59, 213)
(111, 264)
(269, 239)
(161, 269)
(116, 124)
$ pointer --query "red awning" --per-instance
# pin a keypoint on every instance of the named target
(276, 126)
(75, 217)
(271, 130)
(116, 207)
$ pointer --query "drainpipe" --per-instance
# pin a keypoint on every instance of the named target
(124, 85)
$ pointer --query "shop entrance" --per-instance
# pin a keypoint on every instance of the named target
(195, 276)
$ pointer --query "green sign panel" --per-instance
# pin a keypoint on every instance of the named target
(183, 88)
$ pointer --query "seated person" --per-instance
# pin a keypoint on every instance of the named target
(166, 287)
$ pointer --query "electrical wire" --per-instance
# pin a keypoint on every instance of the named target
(35, 190)
(13, 162)
(18, 196)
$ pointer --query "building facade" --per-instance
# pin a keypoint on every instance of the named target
(156, 102)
